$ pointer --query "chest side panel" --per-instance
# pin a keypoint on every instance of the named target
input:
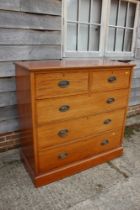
(25, 88)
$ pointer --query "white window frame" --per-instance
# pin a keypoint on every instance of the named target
(104, 29)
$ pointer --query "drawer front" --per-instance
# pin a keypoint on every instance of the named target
(60, 84)
(61, 156)
(81, 105)
(62, 132)
(110, 80)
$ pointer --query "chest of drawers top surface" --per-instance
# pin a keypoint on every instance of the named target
(72, 114)
(72, 64)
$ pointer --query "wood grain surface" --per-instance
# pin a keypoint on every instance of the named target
(72, 115)
(80, 105)
(49, 135)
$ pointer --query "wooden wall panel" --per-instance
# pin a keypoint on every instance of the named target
(12, 19)
(138, 38)
(9, 125)
(138, 53)
(10, 5)
(7, 69)
(32, 6)
(8, 112)
(7, 84)
(43, 6)
(29, 37)
(7, 99)
(136, 73)
(29, 30)
(8, 53)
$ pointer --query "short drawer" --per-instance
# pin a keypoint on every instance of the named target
(56, 109)
(67, 131)
(60, 84)
(110, 80)
(61, 156)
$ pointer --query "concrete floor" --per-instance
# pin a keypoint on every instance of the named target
(111, 186)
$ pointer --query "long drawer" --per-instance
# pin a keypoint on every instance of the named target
(66, 154)
(67, 131)
(61, 84)
(110, 80)
(81, 105)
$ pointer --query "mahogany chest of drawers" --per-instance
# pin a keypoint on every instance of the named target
(72, 115)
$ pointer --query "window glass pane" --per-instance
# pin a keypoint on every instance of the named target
(131, 15)
(111, 39)
(119, 39)
(122, 13)
(83, 37)
(94, 38)
(72, 9)
(84, 10)
(71, 36)
(128, 40)
(113, 12)
(96, 11)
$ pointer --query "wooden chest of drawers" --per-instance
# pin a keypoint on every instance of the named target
(72, 115)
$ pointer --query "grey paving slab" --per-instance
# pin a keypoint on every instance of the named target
(123, 196)
(18, 192)
(133, 120)
(110, 186)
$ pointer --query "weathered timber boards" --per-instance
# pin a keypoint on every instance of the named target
(22, 25)
(10, 19)
(7, 69)
(136, 82)
(10, 5)
(44, 6)
(9, 125)
(8, 53)
(8, 112)
(29, 37)
(33, 6)
(7, 84)
(7, 99)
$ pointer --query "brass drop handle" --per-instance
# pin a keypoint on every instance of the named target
(64, 108)
(62, 155)
(63, 133)
(63, 84)
(110, 100)
(112, 79)
(108, 121)
(105, 142)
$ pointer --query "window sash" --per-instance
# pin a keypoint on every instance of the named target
(120, 54)
(119, 27)
(88, 26)
(104, 32)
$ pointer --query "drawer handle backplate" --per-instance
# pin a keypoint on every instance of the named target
(62, 155)
(64, 108)
(63, 83)
(112, 79)
(105, 142)
(63, 133)
(110, 100)
(108, 121)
